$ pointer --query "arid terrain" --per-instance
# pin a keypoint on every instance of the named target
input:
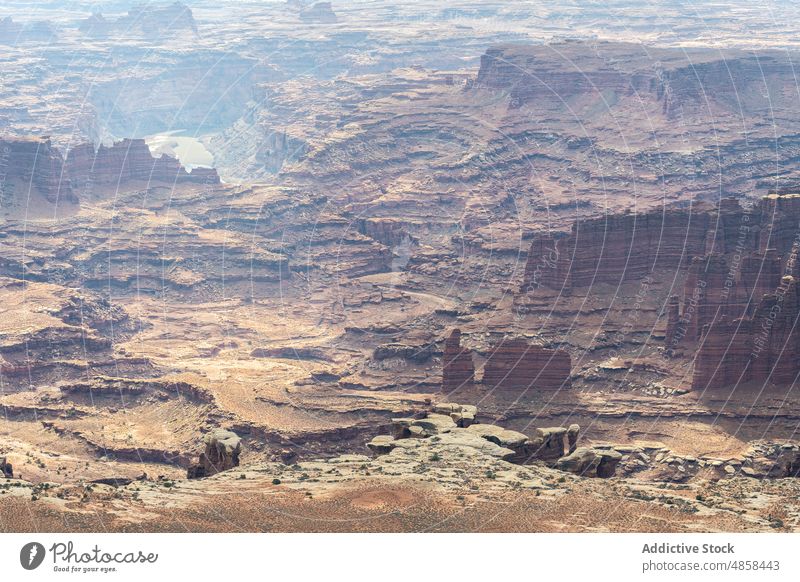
(373, 266)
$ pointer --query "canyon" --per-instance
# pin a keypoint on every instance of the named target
(441, 259)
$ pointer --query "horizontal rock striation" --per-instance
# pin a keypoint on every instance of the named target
(724, 247)
(615, 248)
(514, 364)
(458, 369)
(678, 81)
(738, 307)
(761, 348)
(128, 160)
(36, 164)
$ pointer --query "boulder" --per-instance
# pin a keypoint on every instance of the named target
(590, 462)
(6, 470)
(462, 414)
(523, 447)
(222, 450)
(432, 424)
(382, 444)
(552, 443)
(572, 437)
(499, 435)
(435, 424)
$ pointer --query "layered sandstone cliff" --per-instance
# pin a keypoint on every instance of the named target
(569, 74)
(762, 348)
(615, 248)
(147, 19)
(514, 364)
(458, 369)
(128, 160)
(737, 251)
(511, 365)
(736, 267)
(35, 164)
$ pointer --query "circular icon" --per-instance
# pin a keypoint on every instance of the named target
(31, 555)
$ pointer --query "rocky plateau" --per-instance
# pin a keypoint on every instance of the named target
(373, 266)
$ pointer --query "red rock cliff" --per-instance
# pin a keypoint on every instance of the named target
(762, 348)
(514, 364)
(37, 164)
(126, 160)
(615, 248)
(458, 370)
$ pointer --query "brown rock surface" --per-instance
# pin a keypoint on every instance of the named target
(128, 160)
(762, 348)
(222, 450)
(34, 163)
(6, 469)
(514, 364)
(458, 369)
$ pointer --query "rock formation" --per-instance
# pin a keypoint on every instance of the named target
(35, 162)
(458, 369)
(514, 364)
(762, 348)
(419, 354)
(739, 304)
(96, 25)
(6, 470)
(615, 248)
(552, 445)
(591, 462)
(319, 12)
(148, 19)
(14, 33)
(553, 76)
(761, 460)
(573, 432)
(455, 424)
(462, 414)
(673, 317)
(128, 160)
(222, 450)
(721, 246)
(277, 149)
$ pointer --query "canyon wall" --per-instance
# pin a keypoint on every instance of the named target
(515, 365)
(511, 365)
(615, 248)
(35, 163)
(752, 260)
(738, 309)
(458, 369)
(127, 160)
(572, 74)
(762, 348)
(148, 19)
(729, 250)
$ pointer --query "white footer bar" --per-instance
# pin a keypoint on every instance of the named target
(401, 557)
